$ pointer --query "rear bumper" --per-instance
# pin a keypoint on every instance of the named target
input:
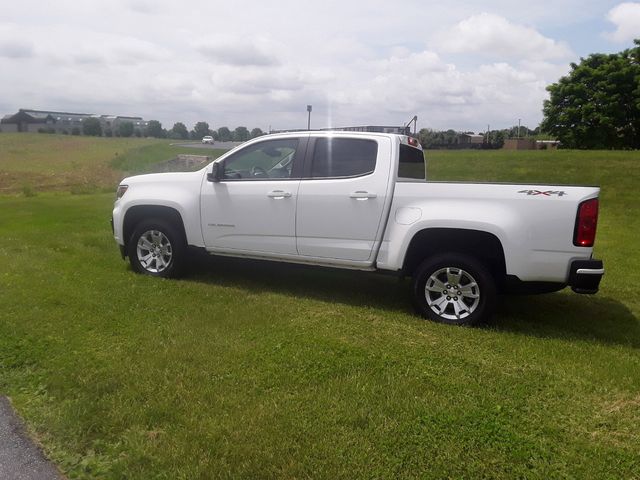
(585, 275)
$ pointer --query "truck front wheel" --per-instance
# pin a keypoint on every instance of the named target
(157, 248)
(455, 289)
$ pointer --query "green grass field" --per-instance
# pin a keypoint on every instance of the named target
(39, 162)
(259, 370)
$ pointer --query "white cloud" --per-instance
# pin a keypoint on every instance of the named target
(355, 62)
(234, 50)
(142, 6)
(494, 36)
(16, 49)
(626, 18)
(443, 95)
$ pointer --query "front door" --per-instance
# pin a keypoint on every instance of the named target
(252, 209)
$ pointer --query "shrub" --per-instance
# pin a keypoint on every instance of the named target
(91, 126)
(125, 129)
(28, 191)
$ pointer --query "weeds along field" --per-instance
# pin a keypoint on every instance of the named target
(264, 370)
(41, 162)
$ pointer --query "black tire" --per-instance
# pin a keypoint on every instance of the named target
(157, 248)
(455, 289)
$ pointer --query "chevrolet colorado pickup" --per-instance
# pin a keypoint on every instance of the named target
(361, 201)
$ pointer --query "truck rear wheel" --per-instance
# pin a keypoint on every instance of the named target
(157, 248)
(455, 289)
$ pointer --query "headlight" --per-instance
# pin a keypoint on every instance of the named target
(121, 191)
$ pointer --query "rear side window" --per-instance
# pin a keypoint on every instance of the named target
(343, 157)
(411, 163)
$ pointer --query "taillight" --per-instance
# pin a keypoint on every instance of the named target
(585, 232)
(413, 142)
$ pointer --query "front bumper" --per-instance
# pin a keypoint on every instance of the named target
(123, 252)
(585, 275)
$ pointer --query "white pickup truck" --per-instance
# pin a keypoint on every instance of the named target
(361, 201)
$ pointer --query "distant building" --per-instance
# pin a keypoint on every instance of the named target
(113, 122)
(470, 138)
(530, 144)
(38, 120)
(62, 122)
(519, 144)
(547, 144)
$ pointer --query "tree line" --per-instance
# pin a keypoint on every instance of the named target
(450, 139)
(179, 131)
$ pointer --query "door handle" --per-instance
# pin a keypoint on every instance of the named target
(278, 194)
(362, 195)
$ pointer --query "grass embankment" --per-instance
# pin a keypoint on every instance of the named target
(34, 163)
(258, 370)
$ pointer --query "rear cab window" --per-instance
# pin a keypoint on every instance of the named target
(412, 165)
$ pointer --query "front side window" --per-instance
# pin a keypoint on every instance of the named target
(343, 157)
(262, 161)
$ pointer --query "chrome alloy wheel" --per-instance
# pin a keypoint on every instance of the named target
(452, 293)
(154, 251)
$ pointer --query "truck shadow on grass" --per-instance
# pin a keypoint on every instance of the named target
(558, 315)
(597, 318)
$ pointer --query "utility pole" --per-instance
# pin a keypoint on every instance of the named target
(518, 128)
(309, 108)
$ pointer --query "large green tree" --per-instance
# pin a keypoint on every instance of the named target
(241, 134)
(180, 131)
(224, 134)
(125, 129)
(200, 130)
(154, 129)
(597, 105)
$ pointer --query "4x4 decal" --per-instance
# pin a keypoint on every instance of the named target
(546, 193)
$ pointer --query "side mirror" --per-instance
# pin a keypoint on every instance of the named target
(216, 173)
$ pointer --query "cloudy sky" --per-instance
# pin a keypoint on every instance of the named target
(461, 64)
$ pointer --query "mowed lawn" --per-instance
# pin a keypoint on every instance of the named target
(261, 370)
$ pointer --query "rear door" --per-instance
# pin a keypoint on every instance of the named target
(342, 196)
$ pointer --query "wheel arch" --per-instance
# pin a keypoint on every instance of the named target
(138, 213)
(482, 245)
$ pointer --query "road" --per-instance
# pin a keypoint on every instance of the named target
(20, 458)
